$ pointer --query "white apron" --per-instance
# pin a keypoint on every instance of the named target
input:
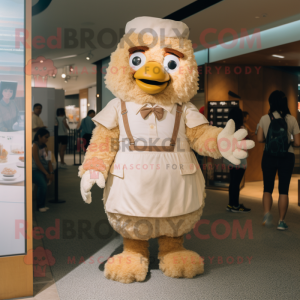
(153, 184)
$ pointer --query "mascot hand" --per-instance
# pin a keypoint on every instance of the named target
(231, 144)
(88, 179)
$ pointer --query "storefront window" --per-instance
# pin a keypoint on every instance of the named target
(12, 133)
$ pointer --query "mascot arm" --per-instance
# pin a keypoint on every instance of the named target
(203, 139)
(101, 151)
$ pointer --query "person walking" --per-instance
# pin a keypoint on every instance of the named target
(63, 128)
(86, 127)
(236, 171)
(42, 169)
(275, 130)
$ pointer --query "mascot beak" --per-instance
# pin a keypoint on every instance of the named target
(152, 78)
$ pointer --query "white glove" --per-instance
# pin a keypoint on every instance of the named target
(87, 181)
(230, 143)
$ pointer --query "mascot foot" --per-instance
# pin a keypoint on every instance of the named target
(131, 265)
(176, 261)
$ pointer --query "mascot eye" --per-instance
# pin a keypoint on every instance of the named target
(137, 60)
(171, 63)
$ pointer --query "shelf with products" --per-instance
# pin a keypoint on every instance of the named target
(217, 175)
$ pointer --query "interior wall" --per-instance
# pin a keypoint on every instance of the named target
(83, 101)
(92, 98)
(59, 98)
(199, 100)
(250, 89)
(254, 89)
(106, 95)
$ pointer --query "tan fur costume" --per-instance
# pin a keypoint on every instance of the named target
(203, 139)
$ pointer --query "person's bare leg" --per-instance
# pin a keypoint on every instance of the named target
(283, 204)
(59, 151)
(62, 151)
(267, 202)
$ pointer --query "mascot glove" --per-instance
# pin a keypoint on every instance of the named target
(88, 179)
(231, 143)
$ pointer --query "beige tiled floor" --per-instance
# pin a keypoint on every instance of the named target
(255, 190)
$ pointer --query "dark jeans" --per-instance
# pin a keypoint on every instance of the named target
(284, 165)
(86, 140)
(236, 176)
(40, 180)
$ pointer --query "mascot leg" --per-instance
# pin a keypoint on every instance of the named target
(131, 265)
(176, 261)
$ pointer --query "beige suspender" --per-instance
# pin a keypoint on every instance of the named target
(126, 124)
(132, 145)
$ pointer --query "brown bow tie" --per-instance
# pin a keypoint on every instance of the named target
(158, 111)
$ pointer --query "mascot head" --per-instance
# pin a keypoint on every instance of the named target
(153, 63)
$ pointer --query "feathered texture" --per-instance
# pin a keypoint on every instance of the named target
(103, 146)
(203, 139)
(130, 265)
(176, 261)
(146, 228)
(137, 230)
(184, 83)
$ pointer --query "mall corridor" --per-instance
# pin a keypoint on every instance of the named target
(182, 117)
(255, 263)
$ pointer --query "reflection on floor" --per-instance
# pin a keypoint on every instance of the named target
(44, 287)
(255, 190)
(254, 263)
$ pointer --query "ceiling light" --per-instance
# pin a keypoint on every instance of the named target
(63, 57)
(64, 72)
(98, 95)
(257, 17)
(41, 61)
(279, 56)
(54, 75)
(89, 56)
(66, 80)
(71, 69)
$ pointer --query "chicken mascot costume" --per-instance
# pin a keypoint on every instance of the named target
(140, 150)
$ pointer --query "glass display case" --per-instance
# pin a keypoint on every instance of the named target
(73, 117)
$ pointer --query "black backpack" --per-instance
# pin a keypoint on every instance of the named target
(277, 143)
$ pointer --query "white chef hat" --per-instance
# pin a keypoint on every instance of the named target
(162, 27)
